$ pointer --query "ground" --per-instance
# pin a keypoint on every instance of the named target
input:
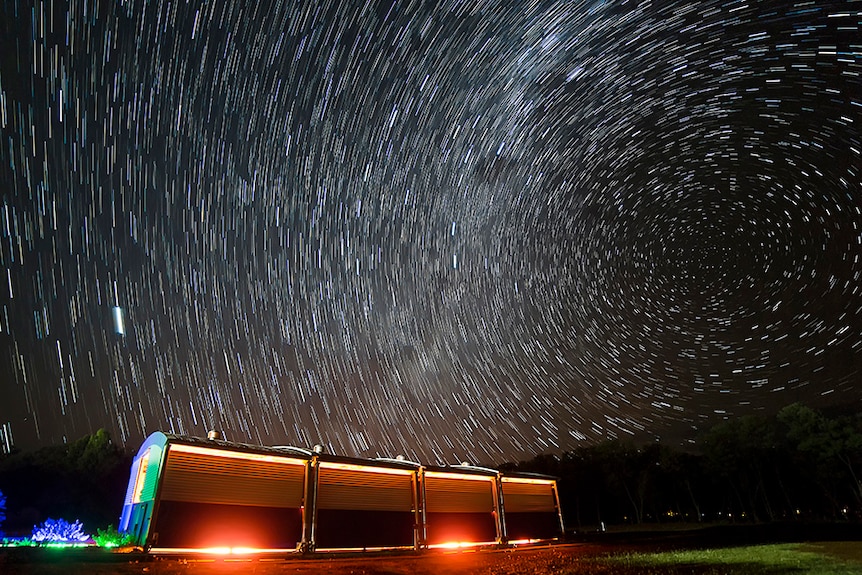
(701, 552)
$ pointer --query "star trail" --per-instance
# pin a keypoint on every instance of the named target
(463, 231)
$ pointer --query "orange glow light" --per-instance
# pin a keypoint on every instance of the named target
(216, 551)
(234, 454)
(445, 475)
(529, 480)
(364, 468)
(460, 544)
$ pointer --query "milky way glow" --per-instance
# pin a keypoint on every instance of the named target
(477, 230)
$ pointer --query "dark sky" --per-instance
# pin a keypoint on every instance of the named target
(466, 231)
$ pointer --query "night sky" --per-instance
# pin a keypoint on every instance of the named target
(472, 231)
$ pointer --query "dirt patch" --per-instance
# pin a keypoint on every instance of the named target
(541, 560)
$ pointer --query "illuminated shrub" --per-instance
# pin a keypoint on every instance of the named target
(59, 531)
(2, 512)
(110, 537)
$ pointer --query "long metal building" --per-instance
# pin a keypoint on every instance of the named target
(192, 495)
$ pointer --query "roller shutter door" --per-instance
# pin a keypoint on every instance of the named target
(445, 493)
(203, 475)
(364, 488)
(528, 496)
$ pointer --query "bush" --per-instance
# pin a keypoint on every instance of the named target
(2, 512)
(59, 531)
(110, 537)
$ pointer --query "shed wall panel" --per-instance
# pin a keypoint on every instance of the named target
(200, 478)
(528, 497)
(364, 490)
(448, 495)
(535, 525)
(459, 527)
(362, 529)
(187, 524)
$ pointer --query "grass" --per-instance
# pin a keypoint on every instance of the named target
(27, 542)
(777, 559)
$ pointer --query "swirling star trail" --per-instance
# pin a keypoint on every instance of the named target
(465, 231)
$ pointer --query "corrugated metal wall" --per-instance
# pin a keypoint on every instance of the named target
(445, 494)
(133, 481)
(359, 489)
(203, 478)
(519, 497)
(151, 476)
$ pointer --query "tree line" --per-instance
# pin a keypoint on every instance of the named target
(798, 465)
(84, 480)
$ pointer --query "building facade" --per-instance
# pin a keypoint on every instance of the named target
(192, 495)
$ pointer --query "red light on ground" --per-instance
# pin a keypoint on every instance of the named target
(460, 544)
(220, 551)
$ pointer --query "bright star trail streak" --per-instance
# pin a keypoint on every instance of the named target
(471, 231)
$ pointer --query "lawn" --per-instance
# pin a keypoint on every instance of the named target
(788, 558)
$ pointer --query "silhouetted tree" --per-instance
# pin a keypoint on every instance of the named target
(742, 453)
(827, 452)
(84, 480)
(582, 487)
(799, 464)
(631, 471)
